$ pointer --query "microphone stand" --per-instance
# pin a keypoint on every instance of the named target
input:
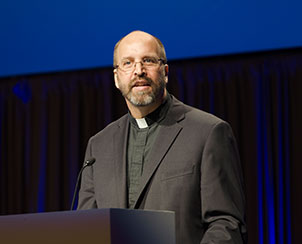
(87, 163)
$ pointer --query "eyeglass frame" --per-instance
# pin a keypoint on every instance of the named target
(161, 61)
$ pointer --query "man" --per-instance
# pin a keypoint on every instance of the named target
(165, 155)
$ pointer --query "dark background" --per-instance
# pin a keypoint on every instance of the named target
(46, 121)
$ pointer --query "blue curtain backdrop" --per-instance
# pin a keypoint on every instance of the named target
(46, 120)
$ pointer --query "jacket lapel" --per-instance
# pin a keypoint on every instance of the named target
(120, 149)
(169, 129)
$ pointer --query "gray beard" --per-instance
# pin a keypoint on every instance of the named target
(143, 98)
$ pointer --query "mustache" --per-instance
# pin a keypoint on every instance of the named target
(139, 80)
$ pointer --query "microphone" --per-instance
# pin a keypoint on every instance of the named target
(87, 163)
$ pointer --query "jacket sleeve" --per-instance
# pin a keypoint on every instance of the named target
(222, 188)
(86, 193)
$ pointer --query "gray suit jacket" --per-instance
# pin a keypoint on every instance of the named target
(194, 170)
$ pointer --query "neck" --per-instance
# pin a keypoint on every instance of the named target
(139, 112)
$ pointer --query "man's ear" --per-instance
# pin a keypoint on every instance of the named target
(166, 72)
(115, 78)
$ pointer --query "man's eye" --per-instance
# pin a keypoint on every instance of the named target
(126, 63)
(149, 60)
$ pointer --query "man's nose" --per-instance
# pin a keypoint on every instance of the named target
(139, 69)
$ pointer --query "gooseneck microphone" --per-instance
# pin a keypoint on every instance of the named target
(87, 163)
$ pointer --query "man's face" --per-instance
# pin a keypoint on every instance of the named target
(141, 86)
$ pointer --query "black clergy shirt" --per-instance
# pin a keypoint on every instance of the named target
(142, 135)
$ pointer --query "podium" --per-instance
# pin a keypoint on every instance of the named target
(101, 226)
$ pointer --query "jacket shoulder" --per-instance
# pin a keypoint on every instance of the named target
(110, 129)
(194, 116)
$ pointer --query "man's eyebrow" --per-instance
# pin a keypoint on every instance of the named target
(127, 58)
(149, 56)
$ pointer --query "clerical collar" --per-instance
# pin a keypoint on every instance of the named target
(156, 116)
(141, 123)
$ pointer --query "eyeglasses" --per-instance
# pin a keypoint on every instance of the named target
(128, 65)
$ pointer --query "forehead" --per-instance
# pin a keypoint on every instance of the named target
(137, 46)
